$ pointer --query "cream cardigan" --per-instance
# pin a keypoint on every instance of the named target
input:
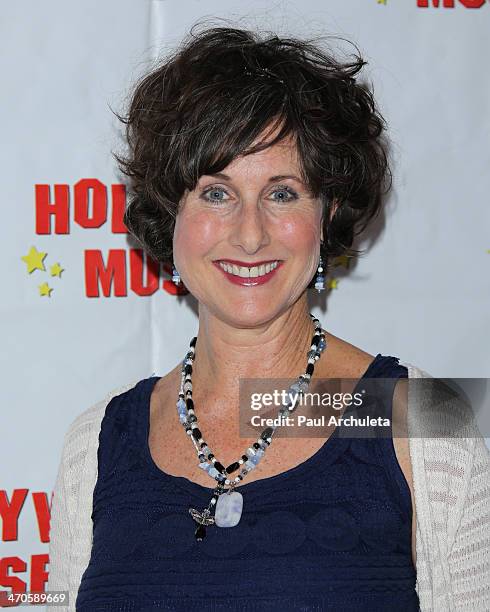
(451, 481)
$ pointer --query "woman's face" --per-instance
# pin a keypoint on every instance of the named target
(255, 212)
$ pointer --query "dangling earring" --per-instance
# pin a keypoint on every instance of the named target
(320, 277)
(175, 276)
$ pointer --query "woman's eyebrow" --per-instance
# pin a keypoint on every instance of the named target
(277, 177)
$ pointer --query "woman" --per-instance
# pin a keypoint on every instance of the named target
(254, 162)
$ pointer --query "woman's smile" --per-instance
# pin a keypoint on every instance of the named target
(241, 273)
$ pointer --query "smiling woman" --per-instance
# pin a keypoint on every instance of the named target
(271, 222)
(253, 162)
(226, 96)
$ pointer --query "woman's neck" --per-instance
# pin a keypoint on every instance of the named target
(225, 353)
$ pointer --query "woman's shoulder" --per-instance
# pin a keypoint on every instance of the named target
(342, 359)
(87, 423)
(440, 423)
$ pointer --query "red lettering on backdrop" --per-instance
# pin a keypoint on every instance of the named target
(137, 269)
(43, 511)
(86, 190)
(10, 511)
(39, 575)
(59, 207)
(113, 273)
(472, 3)
(118, 207)
(475, 4)
(90, 203)
(9, 565)
(112, 276)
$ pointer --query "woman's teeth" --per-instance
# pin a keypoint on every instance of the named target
(248, 272)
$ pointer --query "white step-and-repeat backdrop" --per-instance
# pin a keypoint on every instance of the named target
(84, 311)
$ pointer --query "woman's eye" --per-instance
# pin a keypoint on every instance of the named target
(288, 194)
(213, 193)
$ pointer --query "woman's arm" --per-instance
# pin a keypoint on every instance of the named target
(451, 482)
(71, 523)
(469, 558)
(60, 530)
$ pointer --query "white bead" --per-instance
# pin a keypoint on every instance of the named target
(228, 509)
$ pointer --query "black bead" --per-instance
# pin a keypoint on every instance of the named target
(232, 467)
(310, 368)
(197, 433)
(266, 433)
(193, 341)
(245, 457)
(189, 403)
(188, 369)
(210, 456)
(203, 444)
(200, 532)
(219, 466)
(256, 445)
(315, 340)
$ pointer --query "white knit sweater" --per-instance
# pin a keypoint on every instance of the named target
(451, 481)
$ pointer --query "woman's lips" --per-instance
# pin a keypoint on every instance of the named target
(252, 281)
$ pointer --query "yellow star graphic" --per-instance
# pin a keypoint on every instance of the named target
(332, 283)
(56, 270)
(381, 1)
(34, 260)
(45, 289)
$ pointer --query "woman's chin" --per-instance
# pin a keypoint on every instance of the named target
(253, 313)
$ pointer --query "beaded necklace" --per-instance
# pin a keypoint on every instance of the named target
(228, 504)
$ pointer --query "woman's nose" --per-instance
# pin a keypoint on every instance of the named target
(249, 227)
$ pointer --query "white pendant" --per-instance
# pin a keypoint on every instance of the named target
(228, 509)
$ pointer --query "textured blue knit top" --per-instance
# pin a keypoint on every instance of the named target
(333, 533)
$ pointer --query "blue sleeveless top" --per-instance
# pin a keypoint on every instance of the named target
(332, 533)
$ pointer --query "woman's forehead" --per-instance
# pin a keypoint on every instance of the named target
(278, 159)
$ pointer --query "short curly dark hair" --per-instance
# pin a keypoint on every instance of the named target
(207, 103)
